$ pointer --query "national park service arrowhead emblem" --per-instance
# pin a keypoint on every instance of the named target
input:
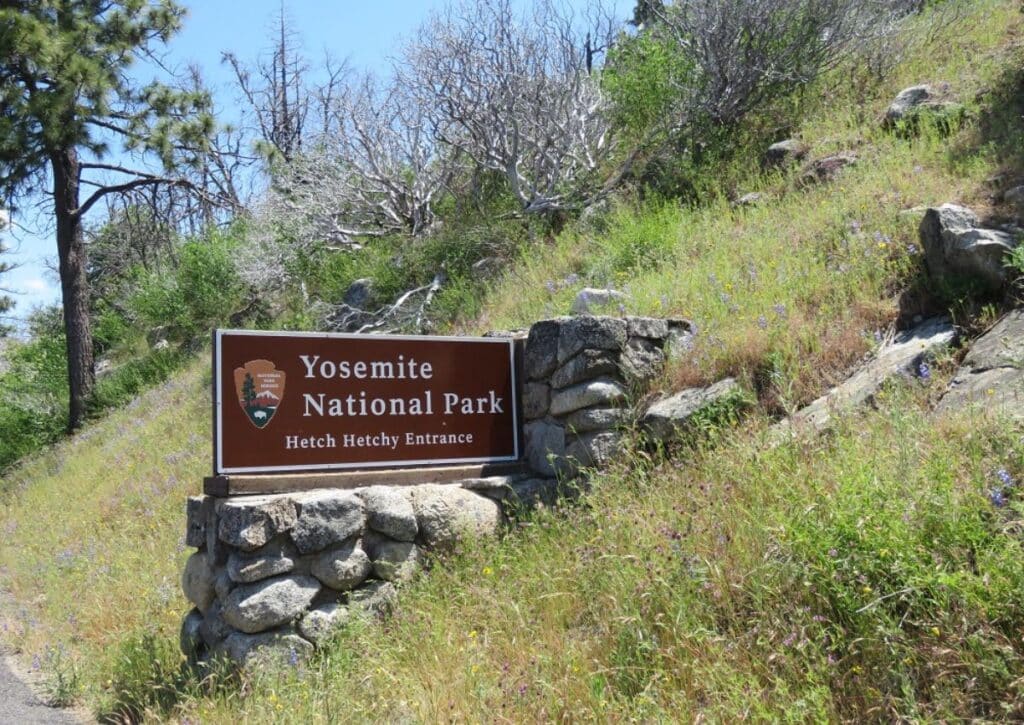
(260, 389)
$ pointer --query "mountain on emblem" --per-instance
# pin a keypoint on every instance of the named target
(260, 389)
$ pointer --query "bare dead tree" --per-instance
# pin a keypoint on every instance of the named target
(745, 51)
(513, 94)
(379, 171)
(287, 108)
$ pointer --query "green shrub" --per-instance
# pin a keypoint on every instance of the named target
(202, 291)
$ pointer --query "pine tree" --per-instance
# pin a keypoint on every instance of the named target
(65, 97)
(249, 391)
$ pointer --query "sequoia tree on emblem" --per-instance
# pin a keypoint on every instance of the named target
(260, 388)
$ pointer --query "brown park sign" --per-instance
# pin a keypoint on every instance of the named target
(316, 402)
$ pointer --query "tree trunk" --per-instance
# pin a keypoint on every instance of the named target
(73, 283)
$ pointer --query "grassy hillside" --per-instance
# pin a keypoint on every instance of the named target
(865, 575)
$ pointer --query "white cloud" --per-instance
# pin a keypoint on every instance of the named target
(36, 285)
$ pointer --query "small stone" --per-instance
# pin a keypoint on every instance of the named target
(197, 581)
(359, 293)
(342, 567)
(653, 328)
(540, 356)
(536, 397)
(752, 198)
(189, 639)
(326, 518)
(642, 361)
(277, 557)
(199, 512)
(681, 335)
(907, 99)
(251, 522)
(784, 152)
(586, 332)
(545, 445)
(591, 450)
(668, 416)
(591, 299)
(319, 624)
(269, 603)
(587, 365)
(223, 583)
(375, 599)
(395, 560)
(445, 513)
(214, 629)
(532, 493)
(603, 392)
(1015, 198)
(490, 484)
(827, 169)
(273, 649)
(591, 419)
(389, 511)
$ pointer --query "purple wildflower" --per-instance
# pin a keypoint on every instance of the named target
(762, 322)
(293, 657)
(789, 640)
(923, 371)
(1003, 475)
(912, 249)
(997, 497)
(551, 286)
(780, 309)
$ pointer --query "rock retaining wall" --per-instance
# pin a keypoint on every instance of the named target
(579, 373)
(273, 576)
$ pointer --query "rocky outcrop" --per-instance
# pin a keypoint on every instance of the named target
(901, 355)
(958, 250)
(992, 374)
(666, 419)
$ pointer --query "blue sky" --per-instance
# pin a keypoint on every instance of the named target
(365, 33)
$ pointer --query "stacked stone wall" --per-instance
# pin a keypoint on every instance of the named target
(274, 576)
(581, 374)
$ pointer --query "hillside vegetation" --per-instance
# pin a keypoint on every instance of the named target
(875, 573)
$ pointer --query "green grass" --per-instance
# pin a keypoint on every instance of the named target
(865, 575)
(93, 546)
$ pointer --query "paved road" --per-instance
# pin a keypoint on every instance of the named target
(20, 706)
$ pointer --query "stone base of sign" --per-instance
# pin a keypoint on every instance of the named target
(274, 576)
